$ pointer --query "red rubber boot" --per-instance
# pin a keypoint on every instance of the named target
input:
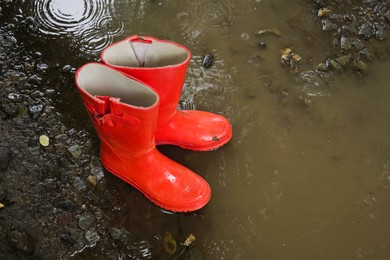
(162, 65)
(124, 113)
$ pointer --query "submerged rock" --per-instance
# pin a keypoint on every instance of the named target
(207, 61)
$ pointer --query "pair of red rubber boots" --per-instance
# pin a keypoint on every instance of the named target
(132, 100)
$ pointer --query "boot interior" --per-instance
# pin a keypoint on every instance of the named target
(99, 80)
(145, 54)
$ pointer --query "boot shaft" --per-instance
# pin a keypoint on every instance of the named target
(159, 63)
(123, 110)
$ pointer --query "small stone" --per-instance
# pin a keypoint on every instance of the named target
(387, 15)
(366, 31)
(91, 236)
(36, 94)
(86, 221)
(38, 55)
(92, 180)
(207, 61)
(361, 65)
(97, 171)
(343, 60)
(44, 140)
(366, 54)
(78, 183)
(75, 151)
(42, 66)
(345, 43)
(120, 234)
(35, 110)
(34, 79)
(262, 45)
(15, 97)
(327, 25)
(67, 68)
(321, 67)
(335, 65)
(357, 44)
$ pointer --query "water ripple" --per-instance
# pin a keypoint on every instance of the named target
(207, 15)
(90, 22)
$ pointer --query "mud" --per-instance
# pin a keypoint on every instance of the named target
(58, 202)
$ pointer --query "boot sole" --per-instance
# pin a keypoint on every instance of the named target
(199, 149)
(188, 209)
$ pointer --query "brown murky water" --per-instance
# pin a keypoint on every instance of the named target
(297, 181)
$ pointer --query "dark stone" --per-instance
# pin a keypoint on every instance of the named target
(69, 239)
(5, 156)
(207, 61)
(262, 45)
(35, 79)
(66, 205)
(9, 108)
(366, 31)
(35, 110)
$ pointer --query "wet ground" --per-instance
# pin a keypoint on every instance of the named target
(306, 175)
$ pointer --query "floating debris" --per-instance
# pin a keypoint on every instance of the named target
(269, 31)
(189, 240)
(323, 12)
(44, 140)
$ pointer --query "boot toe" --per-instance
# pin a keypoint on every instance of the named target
(195, 130)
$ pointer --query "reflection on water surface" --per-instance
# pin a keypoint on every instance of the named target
(306, 175)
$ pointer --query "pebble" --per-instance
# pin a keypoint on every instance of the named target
(42, 66)
(16, 97)
(91, 236)
(207, 61)
(44, 140)
(78, 183)
(327, 25)
(120, 234)
(75, 151)
(35, 79)
(86, 221)
(366, 31)
(92, 180)
(35, 110)
(361, 65)
(5, 156)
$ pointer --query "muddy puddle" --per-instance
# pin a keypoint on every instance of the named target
(305, 176)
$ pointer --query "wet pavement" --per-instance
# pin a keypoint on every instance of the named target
(58, 202)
